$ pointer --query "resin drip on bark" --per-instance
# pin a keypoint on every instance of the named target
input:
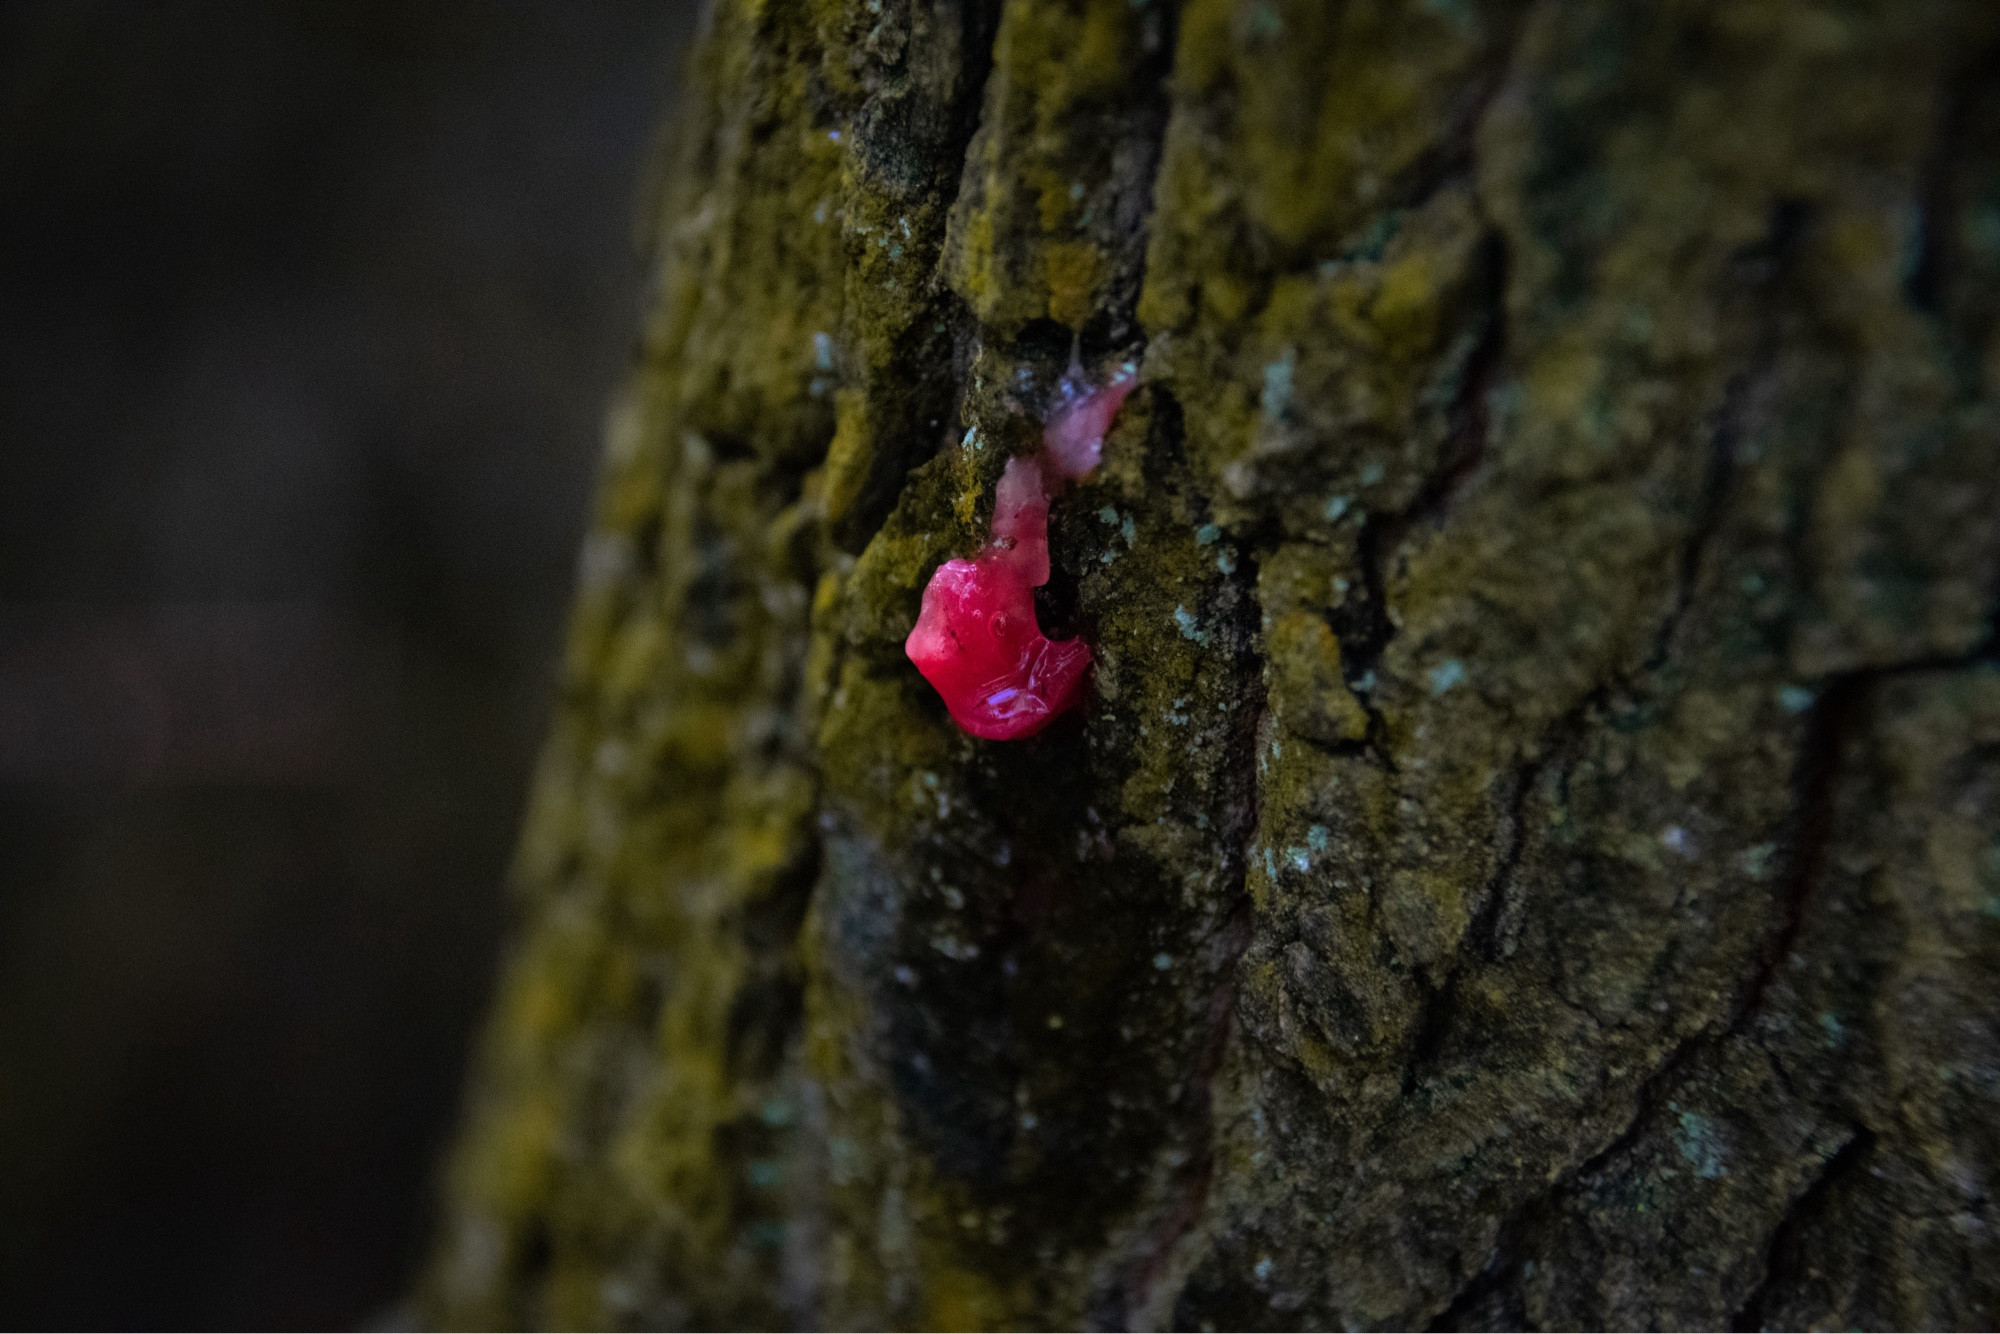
(977, 641)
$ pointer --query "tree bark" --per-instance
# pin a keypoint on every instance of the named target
(1532, 855)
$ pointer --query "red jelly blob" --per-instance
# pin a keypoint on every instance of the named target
(977, 641)
(1073, 441)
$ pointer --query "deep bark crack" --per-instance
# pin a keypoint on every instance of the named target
(1782, 1260)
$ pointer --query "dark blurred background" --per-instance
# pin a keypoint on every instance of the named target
(309, 312)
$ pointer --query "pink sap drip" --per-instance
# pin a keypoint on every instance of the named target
(976, 639)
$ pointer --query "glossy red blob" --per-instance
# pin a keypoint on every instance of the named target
(977, 640)
(1073, 441)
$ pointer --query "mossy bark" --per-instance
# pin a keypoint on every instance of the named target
(1533, 853)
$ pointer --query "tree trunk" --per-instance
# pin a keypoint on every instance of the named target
(1532, 853)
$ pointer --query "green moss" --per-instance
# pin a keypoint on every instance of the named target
(1042, 226)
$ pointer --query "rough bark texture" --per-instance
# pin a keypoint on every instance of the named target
(1533, 856)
